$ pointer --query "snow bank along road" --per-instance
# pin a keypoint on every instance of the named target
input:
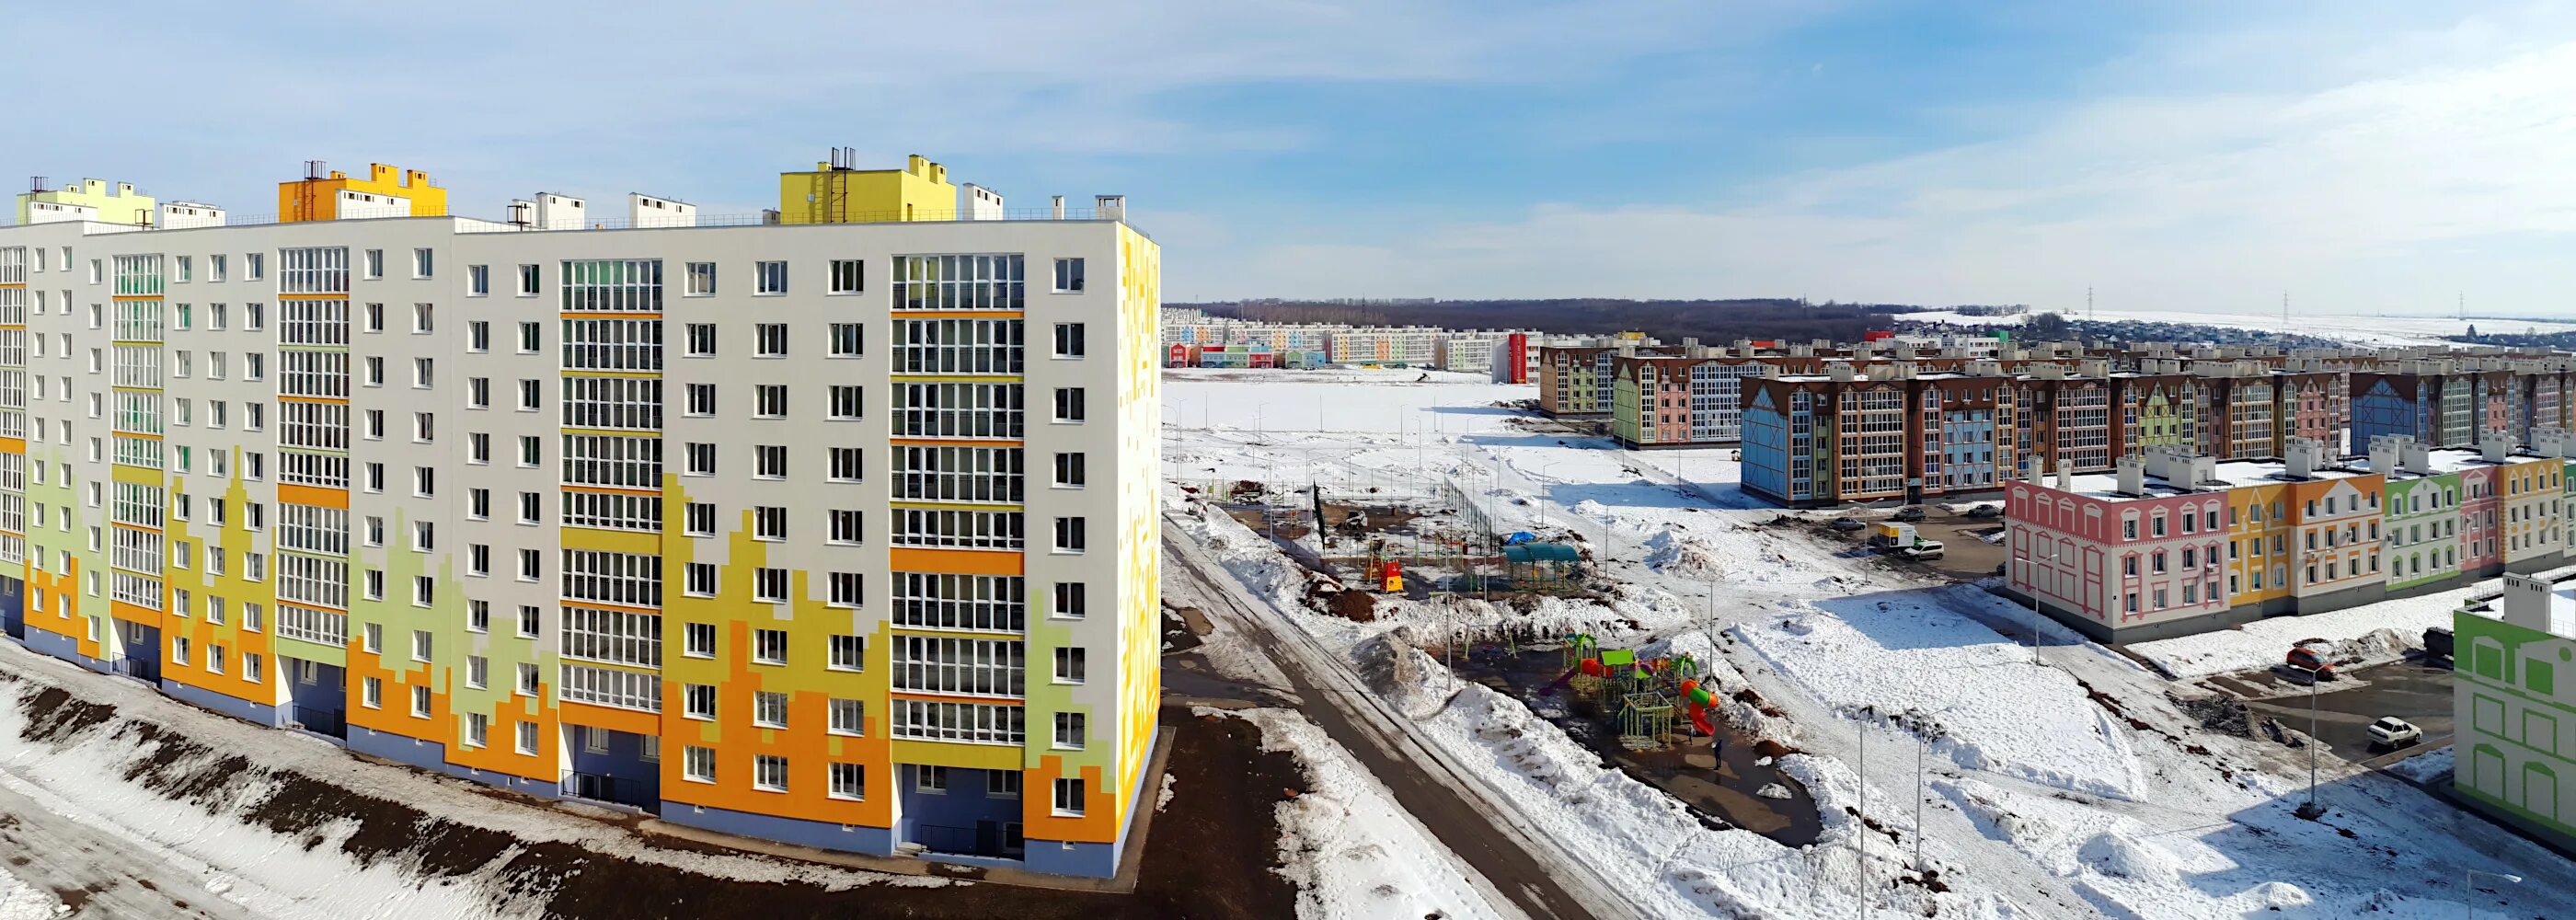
(1527, 870)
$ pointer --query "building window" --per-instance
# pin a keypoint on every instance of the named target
(529, 280)
(849, 781)
(849, 276)
(478, 280)
(1068, 340)
(769, 646)
(1069, 600)
(698, 701)
(1069, 666)
(1069, 730)
(849, 717)
(848, 340)
(698, 764)
(769, 585)
(1068, 471)
(1071, 535)
(1068, 276)
(769, 278)
(846, 402)
(847, 589)
(769, 340)
(769, 400)
(769, 709)
(769, 772)
(848, 653)
(700, 640)
(1068, 404)
(702, 579)
(702, 279)
(1068, 798)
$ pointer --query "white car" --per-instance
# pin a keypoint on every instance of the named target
(2394, 732)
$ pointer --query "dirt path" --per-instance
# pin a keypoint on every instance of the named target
(1467, 824)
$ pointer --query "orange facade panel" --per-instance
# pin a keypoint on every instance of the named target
(958, 561)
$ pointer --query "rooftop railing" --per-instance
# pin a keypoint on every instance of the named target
(468, 224)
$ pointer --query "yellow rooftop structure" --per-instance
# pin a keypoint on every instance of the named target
(834, 193)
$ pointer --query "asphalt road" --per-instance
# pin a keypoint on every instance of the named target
(2405, 689)
(1463, 822)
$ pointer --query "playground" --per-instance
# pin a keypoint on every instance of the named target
(1654, 718)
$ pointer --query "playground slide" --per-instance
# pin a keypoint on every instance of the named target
(1550, 690)
(1698, 699)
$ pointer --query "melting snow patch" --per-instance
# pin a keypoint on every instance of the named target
(1351, 850)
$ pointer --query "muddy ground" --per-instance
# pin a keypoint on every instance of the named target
(1211, 854)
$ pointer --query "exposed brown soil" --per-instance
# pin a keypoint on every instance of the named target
(1213, 854)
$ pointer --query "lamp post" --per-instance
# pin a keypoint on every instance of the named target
(2469, 880)
(2310, 809)
(1542, 499)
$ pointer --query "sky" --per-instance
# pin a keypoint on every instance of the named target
(2358, 157)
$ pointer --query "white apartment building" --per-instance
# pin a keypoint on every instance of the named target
(840, 534)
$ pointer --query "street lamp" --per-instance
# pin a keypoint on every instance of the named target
(2469, 881)
(2310, 809)
(1542, 498)
(2033, 583)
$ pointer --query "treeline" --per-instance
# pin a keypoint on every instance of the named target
(1716, 322)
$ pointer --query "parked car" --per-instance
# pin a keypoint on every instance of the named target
(1909, 513)
(2391, 731)
(1923, 550)
(1986, 511)
(1848, 524)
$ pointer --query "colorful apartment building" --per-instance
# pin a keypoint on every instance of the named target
(730, 524)
(1695, 399)
(2454, 401)
(2172, 543)
(1880, 432)
(2514, 723)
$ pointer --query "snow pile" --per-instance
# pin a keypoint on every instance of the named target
(2430, 766)
(1351, 850)
(1667, 553)
(1903, 657)
(2371, 633)
(1397, 670)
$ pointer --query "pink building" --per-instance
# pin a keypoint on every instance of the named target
(2120, 550)
(2481, 536)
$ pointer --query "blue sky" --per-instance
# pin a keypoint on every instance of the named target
(2363, 157)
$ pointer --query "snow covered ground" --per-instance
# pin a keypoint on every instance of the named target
(1335, 400)
(20, 901)
(2070, 788)
(1351, 850)
(2373, 632)
(2356, 330)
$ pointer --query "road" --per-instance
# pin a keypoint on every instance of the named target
(2408, 690)
(1442, 800)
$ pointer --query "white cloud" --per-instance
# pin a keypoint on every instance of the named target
(2391, 192)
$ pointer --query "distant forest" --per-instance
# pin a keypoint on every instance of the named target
(1715, 322)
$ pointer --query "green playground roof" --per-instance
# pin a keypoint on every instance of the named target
(1618, 656)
